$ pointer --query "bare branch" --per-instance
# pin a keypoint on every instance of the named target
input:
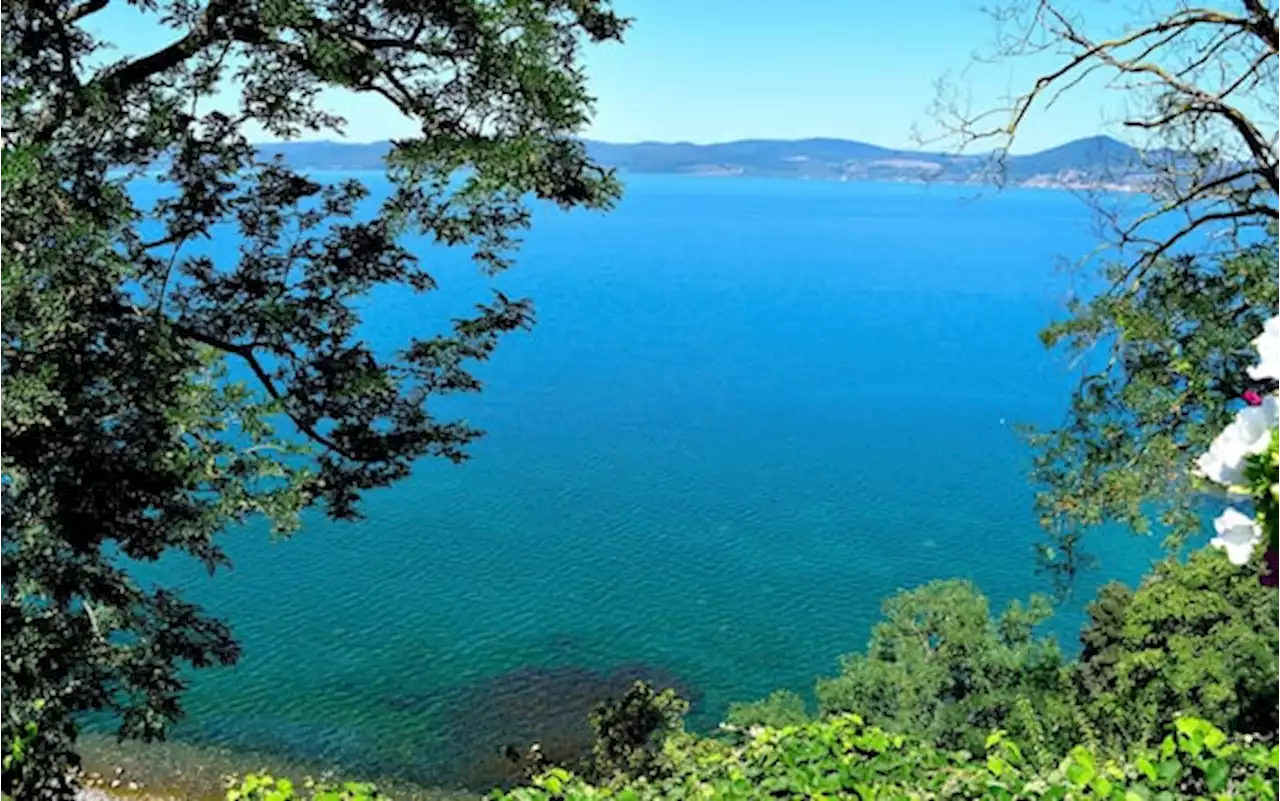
(1198, 83)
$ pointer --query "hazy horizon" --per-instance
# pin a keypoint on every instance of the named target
(923, 148)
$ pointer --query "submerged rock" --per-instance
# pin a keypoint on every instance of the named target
(493, 722)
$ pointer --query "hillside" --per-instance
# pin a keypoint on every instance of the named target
(1097, 161)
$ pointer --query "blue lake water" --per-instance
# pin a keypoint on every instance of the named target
(749, 412)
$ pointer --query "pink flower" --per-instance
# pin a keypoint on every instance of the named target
(1252, 398)
(1270, 570)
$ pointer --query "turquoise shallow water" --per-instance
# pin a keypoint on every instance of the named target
(749, 412)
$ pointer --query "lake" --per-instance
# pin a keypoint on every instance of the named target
(750, 411)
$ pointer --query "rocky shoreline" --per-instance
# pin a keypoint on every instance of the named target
(117, 785)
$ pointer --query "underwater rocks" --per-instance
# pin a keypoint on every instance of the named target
(492, 722)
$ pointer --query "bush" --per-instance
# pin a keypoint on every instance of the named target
(941, 668)
(630, 732)
(841, 757)
(262, 787)
(1198, 638)
(781, 708)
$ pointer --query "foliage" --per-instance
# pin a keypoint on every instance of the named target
(939, 667)
(840, 757)
(1173, 371)
(781, 708)
(630, 731)
(13, 761)
(1196, 638)
(32, 768)
(156, 394)
(1184, 284)
(1261, 474)
(264, 787)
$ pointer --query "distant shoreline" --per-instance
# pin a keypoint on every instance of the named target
(1125, 188)
(1097, 163)
(1120, 188)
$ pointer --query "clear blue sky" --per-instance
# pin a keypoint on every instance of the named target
(718, 70)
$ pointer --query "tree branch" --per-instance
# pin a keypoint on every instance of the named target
(1196, 74)
(113, 83)
(79, 12)
(247, 354)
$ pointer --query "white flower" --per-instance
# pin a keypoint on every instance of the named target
(1268, 346)
(1248, 434)
(1237, 535)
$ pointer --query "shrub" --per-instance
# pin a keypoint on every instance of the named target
(841, 757)
(781, 708)
(1196, 638)
(940, 667)
(263, 787)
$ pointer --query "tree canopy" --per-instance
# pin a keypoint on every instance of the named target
(158, 393)
(941, 667)
(1178, 286)
(1196, 638)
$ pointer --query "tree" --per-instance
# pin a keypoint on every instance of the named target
(156, 395)
(1177, 346)
(630, 732)
(1197, 638)
(780, 708)
(941, 668)
(1186, 281)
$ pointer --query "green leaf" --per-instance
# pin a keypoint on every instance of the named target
(1169, 771)
(1145, 766)
(1215, 774)
(1080, 775)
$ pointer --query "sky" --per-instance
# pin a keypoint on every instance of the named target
(718, 70)
(721, 70)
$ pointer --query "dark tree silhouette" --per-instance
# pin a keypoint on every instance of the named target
(125, 436)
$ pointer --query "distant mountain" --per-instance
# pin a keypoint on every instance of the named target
(1097, 161)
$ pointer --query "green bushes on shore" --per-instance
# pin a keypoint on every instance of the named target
(1196, 638)
(262, 787)
(840, 757)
